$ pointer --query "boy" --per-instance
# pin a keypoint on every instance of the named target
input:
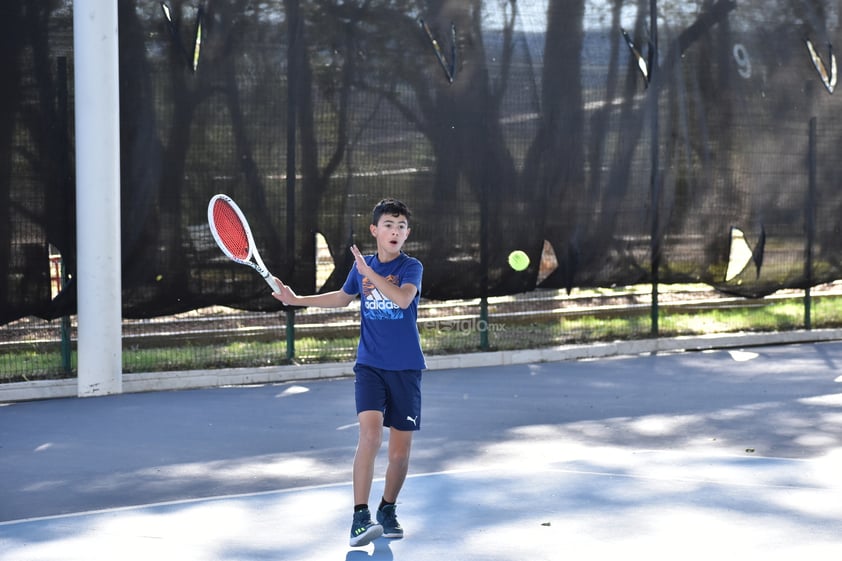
(389, 362)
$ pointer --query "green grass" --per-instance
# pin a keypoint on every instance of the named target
(756, 316)
(25, 365)
(237, 354)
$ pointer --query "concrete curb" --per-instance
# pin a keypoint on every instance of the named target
(194, 379)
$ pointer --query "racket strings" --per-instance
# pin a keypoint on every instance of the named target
(231, 231)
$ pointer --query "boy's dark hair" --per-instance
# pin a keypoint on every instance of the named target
(389, 206)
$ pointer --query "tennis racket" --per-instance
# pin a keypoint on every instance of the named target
(231, 231)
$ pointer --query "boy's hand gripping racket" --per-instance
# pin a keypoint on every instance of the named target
(231, 231)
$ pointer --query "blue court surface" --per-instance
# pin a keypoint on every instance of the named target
(705, 455)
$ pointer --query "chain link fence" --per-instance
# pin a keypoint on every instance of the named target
(219, 337)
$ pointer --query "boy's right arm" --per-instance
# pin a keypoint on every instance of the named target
(335, 299)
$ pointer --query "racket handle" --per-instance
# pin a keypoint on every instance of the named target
(270, 280)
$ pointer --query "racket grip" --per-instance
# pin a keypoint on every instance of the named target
(270, 280)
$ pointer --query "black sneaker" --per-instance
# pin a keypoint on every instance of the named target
(363, 530)
(387, 518)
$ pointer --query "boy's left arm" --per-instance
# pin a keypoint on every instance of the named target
(401, 295)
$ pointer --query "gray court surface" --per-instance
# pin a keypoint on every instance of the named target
(716, 455)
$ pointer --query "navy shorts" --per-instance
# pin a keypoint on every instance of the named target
(395, 393)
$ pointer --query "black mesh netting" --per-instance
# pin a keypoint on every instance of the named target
(525, 122)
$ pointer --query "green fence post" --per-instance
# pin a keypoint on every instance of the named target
(810, 212)
(655, 185)
(290, 332)
(483, 323)
(65, 328)
(808, 305)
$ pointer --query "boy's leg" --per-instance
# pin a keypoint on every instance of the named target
(363, 530)
(371, 435)
(400, 445)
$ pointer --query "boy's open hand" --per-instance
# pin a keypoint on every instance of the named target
(362, 266)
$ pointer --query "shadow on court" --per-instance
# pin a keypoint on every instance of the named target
(734, 454)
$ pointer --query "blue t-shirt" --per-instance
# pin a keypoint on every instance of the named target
(389, 336)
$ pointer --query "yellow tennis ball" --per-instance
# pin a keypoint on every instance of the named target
(158, 278)
(518, 260)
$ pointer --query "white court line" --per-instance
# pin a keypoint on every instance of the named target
(677, 479)
(471, 470)
(215, 498)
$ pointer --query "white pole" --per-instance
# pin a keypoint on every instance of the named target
(98, 279)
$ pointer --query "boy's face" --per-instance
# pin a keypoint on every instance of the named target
(390, 232)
